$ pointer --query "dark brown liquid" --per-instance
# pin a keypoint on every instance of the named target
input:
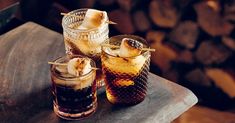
(129, 94)
(69, 100)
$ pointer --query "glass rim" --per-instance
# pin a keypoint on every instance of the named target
(125, 36)
(81, 30)
(52, 68)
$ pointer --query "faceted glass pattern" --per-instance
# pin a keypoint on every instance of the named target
(126, 83)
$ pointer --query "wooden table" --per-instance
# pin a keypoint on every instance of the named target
(25, 85)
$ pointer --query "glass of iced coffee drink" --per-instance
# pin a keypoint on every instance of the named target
(74, 87)
(84, 30)
(125, 66)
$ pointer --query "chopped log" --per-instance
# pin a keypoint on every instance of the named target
(210, 53)
(230, 12)
(198, 77)
(163, 56)
(214, 5)
(223, 80)
(182, 3)
(185, 34)
(172, 75)
(106, 2)
(199, 114)
(229, 42)
(86, 3)
(125, 4)
(185, 56)
(155, 36)
(210, 19)
(123, 19)
(163, 13)
(141, 22)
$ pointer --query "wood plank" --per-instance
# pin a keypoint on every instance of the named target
(210, 19)
(163, 13)
(223, 80)
(209, 52)
(200, 114)
(24, 72)
(185, 34)
(124, 22)
(25, 84)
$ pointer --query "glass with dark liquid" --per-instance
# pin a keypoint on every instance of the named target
(84, 41)
(74, 97)
(125, 77)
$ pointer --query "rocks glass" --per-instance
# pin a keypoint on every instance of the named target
(85, 42)
(125, 77)
(74, 97)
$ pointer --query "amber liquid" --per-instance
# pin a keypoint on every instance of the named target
(126, 89)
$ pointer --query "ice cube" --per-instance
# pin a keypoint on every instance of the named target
(113, 52)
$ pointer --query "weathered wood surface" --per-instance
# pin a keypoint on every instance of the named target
(200, 114)
(25, 85)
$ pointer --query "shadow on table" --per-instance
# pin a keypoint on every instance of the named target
(37, 107)
(17, 108)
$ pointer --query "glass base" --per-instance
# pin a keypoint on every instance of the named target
(77, 116)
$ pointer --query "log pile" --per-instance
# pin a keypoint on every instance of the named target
(194, 41)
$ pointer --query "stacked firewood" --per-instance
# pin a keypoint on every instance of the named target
(194, 41)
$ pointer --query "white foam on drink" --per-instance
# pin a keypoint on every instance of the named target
(69, 80)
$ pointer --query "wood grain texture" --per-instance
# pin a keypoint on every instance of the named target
(25, 85)
(200, 114)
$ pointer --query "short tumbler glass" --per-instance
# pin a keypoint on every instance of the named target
(74, 97)
(80, 41)
(125, 77)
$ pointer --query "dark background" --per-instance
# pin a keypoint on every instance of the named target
(47, 13)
